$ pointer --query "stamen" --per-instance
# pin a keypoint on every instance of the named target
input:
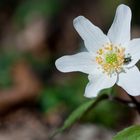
(111, 58)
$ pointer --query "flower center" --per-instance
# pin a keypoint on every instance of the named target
(111, 58)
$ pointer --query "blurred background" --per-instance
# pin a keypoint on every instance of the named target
(35, 98)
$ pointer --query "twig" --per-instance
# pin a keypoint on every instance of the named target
(126, 102)
(136, 103)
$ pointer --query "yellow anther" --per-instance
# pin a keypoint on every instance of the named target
(110, 58)
(100, 51)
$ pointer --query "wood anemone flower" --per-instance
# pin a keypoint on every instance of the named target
(110, 58)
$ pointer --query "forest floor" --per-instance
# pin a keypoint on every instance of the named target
(27, 124)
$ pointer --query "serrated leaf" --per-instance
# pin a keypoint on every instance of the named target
(130, 133)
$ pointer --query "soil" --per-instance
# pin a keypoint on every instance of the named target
(28, 124)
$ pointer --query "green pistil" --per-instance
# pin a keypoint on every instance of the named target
(111, 58)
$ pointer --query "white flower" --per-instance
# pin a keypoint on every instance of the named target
(110, 58)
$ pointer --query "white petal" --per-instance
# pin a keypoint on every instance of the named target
(119, 32)
(134, 50)
(93, 37)
(97, 83)
(130, 81)
(83, 62)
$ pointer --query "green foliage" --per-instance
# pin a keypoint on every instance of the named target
(80, 111)
(130, 133)
(7, 59)
(69, 94)
(76, 114)
(42, 8)
(107, 113)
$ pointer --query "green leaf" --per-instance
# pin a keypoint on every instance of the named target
(79, 112)
(76, 114)
(130, 133)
